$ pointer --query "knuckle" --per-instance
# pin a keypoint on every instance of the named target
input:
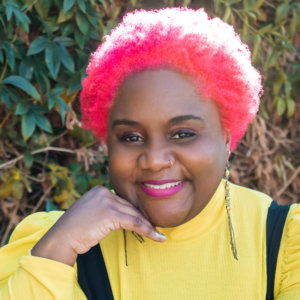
(137, 221)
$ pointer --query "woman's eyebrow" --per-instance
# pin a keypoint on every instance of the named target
(124, 122)
(183, 118)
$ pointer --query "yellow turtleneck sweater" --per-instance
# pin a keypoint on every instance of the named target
(195, 262)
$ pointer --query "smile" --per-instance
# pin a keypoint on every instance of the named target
(161, 189)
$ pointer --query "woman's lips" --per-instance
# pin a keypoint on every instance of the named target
(162, 188)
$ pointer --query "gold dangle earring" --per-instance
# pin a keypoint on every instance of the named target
(228, 210)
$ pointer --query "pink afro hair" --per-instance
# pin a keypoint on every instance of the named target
(184, 40)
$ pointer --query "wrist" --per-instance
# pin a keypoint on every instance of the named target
(55, 247)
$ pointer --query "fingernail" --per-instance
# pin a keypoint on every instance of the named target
(160, 236)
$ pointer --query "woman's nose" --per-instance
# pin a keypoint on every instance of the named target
(156, 158)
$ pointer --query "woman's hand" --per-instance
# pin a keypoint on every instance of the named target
(87, 222)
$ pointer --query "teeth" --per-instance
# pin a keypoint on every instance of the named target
(162, 186)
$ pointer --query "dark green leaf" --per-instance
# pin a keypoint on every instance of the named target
(26, 68)
(12, 94)
(75, 167)
(51, 101)
(23, 84)
(66, 59)
(5, 98)
(38, 45)
(1, 56)
(42, 122)
(68, 4)
(42, 7)
(52, 59)
(64, 41)
(28, 159)
(82, 22)
(62, 107)
(79, 38)
(22, 20)
(74, 84)
(68, 29)
(50, 205)
(81, 4)
(28, 125)
(10, 56)
(22, 109)
(64, 16)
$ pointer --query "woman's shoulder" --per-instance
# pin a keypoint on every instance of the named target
(250, 200)
(287, 280)
(36, 224)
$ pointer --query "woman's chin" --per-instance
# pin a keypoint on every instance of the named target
(165, 220)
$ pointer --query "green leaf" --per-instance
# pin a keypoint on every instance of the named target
(67, 30)
(64, 41)
(5, 98)
(282, 11)
(51, 101)
(281, 106)
(22, 84)
(82, 22)
(1, 56)
(80, 39)
(62, 108)
(52, 59)
(28, 159)
(28, 125)
(42, 7)
(81, 4)
(26, 68)
(42, 122)
(103, 2)
(22, 109)
(64, 16)
(258, 4)
(293, 24)
(38, 45)
(50, 205)
(287, 88)
(66, 59)
(290, 107)
(264, 29)
(22, 20)
(68, 4)
(74, 83)
(256, 48)
(10, 56)
(10, 7)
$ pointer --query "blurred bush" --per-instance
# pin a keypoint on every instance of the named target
(47, 161)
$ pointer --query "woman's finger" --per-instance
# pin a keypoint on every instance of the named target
(137, 224)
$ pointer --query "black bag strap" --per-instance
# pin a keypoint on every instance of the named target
(92, 275)
(275, 223)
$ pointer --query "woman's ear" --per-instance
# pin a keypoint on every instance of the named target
(227, 136)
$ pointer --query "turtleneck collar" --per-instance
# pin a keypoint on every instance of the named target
(201, 224)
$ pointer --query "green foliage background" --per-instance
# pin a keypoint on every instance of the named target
(45, 157)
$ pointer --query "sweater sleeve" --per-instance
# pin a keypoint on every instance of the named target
(287, 280)
(23, 276)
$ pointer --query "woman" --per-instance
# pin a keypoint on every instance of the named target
(172, 92)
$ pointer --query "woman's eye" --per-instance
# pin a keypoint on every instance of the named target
(182, 134)
(131, 138)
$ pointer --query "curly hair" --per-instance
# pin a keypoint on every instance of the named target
(207, 50)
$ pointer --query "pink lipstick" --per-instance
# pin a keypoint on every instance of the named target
(162, 188)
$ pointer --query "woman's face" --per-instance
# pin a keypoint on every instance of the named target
(167, 149)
